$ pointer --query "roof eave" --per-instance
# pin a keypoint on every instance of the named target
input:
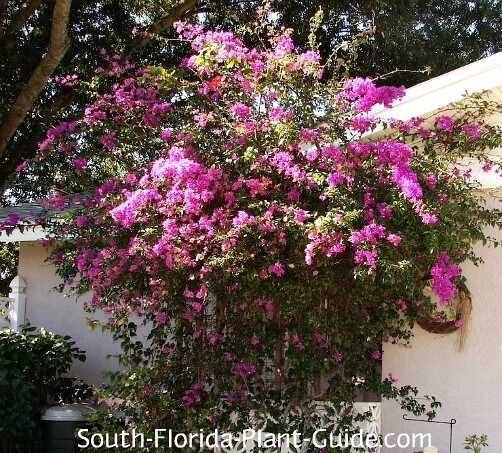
(427, 97)
(26, 234)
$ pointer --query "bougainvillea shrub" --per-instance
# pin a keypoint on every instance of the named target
(240, 212)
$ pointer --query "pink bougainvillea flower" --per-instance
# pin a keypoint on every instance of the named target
(394, 239)
(445, 122)
(276, 269)
(336, 357)
(442, 273)
(161, 318)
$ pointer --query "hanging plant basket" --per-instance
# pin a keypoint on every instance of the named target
(433, 325)
(463, 307)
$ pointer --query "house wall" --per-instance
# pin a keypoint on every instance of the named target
(50, 309)
(469, 382)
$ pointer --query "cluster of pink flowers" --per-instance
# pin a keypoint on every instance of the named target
(268, 305)
(192, 395)
(364, 94)
(243, 368)
(226, 48)
(197, 206)
(442, 273)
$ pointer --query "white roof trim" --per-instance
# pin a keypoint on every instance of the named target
(28, 234)
(426, 97)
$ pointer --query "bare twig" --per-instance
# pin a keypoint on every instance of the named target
(402, 71)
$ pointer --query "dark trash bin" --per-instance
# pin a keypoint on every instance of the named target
(59, 425)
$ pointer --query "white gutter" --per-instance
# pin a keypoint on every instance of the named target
(29, 233)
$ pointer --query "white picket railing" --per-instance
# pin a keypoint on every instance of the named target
(6, 304)
(14, 305)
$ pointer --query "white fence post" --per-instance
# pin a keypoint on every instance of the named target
(16, 313)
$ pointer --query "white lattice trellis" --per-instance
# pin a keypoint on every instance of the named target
(374, 423)
(290, 443)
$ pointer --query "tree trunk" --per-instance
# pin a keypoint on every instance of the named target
(278, 353)
(58, 46)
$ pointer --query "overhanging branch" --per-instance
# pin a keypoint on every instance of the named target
(165, 22)
(25, 12)
(59, 44)
(62, 100)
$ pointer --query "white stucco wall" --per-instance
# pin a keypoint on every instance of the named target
(48, 308)
(469, 382)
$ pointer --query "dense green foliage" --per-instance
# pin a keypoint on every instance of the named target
(408, 34)
(32, 376)
(8, 266)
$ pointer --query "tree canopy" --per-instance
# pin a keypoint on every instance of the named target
(407, 35)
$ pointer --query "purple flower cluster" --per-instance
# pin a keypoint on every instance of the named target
(442, 273)
(363, 94)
